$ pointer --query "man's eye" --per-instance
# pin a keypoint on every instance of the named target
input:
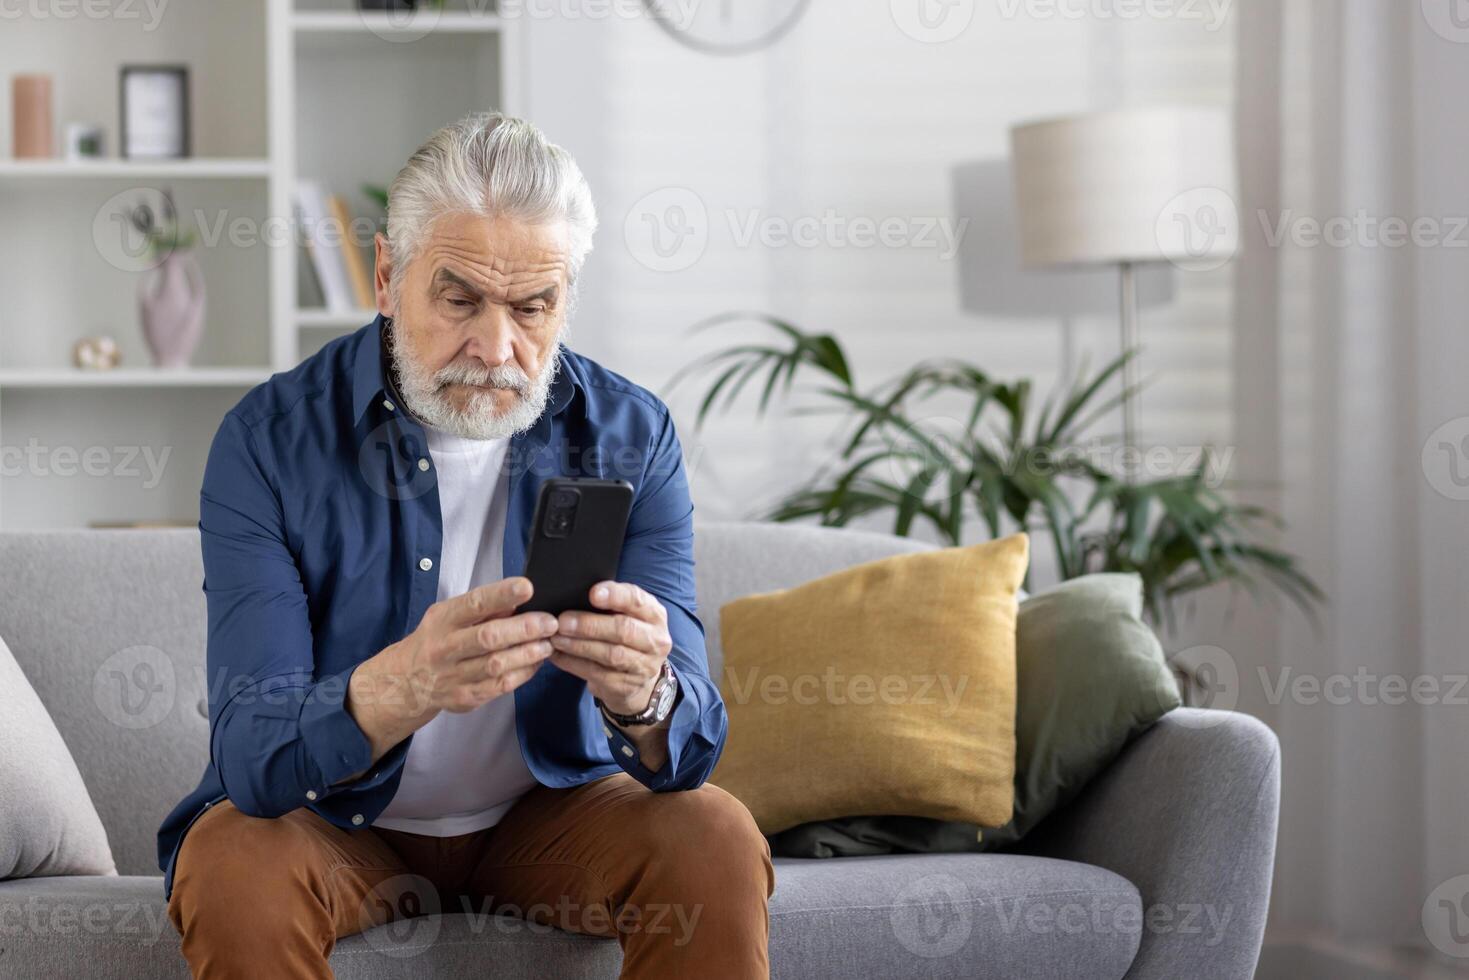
(532, 310)
(460, 302)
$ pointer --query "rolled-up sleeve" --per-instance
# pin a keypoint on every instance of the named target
(280, 737)
(658, 555)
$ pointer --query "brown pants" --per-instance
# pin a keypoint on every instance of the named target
(680, 879)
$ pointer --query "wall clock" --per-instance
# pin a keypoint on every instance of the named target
(726, 26)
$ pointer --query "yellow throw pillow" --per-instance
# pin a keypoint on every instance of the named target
(886, 688)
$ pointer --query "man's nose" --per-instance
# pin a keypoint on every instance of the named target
(492, 337)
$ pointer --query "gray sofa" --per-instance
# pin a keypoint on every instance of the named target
(1159, 871)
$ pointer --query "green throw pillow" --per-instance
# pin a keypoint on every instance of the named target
(1091, 676)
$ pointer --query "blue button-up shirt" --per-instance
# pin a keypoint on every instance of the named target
(321, 533)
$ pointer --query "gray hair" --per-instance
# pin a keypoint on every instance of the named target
(487, 164)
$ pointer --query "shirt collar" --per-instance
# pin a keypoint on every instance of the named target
(370, 375)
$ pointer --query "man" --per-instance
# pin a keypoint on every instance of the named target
(387, 734)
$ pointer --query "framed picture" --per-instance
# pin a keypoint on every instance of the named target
(155, 112)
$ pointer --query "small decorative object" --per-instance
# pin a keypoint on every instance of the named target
(155, 112)
(84, 141)
(386, 4)
(31, 119)
(96, 354)
(171, 295)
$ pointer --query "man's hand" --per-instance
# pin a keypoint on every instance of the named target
(466, 651)
(619, 653)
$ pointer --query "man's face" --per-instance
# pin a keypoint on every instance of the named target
(478, 319)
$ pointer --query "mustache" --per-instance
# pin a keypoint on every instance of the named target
(471, 372)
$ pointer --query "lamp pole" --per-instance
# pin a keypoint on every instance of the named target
(1128, 312)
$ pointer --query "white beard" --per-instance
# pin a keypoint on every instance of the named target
(480, 418)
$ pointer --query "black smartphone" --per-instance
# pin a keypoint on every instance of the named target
(576, 541)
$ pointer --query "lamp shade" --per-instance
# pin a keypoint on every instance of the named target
(1138, 185)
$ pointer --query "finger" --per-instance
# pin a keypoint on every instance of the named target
(629, 599)
(609, 685)
(497, 634)
(516, 658)
(475, 695)
(616, 628)
(613, 656)
(496, 599)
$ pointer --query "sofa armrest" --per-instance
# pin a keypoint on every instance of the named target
(1188, 814)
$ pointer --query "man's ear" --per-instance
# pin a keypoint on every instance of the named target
(382, 270)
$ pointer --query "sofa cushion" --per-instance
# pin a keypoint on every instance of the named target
(952, 916)
(898, 916)
(891, 684)
(48, 825)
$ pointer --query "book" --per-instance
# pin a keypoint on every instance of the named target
(357, 272)
(323, 237)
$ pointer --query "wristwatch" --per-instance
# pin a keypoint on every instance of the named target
(660, 705)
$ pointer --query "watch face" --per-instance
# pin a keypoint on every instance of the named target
(726, 26)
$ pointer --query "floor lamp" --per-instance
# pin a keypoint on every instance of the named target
(1124, 188)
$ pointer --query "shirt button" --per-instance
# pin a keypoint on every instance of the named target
(357, 819)
(606, 731)
(627, 751)
(423, 465)
(387, 404)
(425, 563)
(311, 794)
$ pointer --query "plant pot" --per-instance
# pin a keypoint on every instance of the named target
(171, 304)
(386, 4)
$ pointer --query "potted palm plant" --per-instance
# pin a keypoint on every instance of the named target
(1004, 461)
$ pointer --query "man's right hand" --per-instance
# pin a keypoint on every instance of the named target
(466, 651)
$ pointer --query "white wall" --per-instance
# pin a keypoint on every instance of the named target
(851, 114)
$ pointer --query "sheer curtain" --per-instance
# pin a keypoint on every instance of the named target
(1351, 412)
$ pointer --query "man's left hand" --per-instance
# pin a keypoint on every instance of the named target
(619, 651)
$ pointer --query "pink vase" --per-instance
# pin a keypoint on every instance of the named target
(171, 301)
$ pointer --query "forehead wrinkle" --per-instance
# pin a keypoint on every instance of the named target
(497, 276)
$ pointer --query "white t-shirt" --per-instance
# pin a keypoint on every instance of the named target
(464, 771)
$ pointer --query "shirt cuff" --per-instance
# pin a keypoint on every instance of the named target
(336, 743)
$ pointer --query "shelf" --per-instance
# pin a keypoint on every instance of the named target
(134, 169)
(132, 378)
(395, 26)
(334, 319)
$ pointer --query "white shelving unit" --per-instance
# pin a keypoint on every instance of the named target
(281, 90)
